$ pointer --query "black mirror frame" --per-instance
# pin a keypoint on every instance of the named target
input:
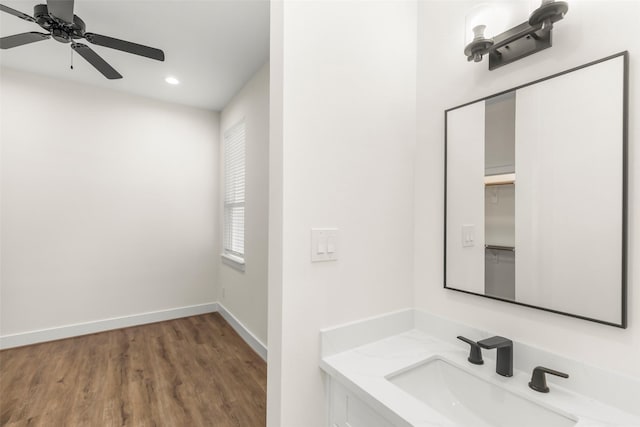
(625, 190)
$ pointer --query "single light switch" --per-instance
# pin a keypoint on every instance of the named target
(468, 235)
(331, 244)
(324, 244)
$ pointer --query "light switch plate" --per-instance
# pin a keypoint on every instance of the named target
(324, 244)
(468, 235)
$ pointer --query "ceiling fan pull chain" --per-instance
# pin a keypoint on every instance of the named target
(71, 58)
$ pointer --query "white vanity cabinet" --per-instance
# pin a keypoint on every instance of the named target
(346, 410)
(413, 372)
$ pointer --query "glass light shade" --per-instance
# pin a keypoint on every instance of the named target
(479, 15)
(497, 16)
(535, 4)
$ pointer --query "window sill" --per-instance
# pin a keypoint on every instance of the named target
(233, 261)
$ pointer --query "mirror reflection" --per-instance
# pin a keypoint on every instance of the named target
(499, 197)
(535, 194)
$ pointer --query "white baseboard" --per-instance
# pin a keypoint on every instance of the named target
(253, 342)
(78, 329)
(68, 331)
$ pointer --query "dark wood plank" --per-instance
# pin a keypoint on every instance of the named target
(194, 371)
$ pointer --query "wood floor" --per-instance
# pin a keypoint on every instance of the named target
(194, 371)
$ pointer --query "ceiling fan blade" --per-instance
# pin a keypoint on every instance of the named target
(16, 13)
(125, 46)
(20, 39)
(61, 9)
(94, 59)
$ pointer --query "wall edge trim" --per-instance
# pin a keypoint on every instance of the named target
(258, 346)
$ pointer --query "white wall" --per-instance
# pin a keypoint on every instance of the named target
(343, 135)
(244, 293)
(568, 193)
(275, 304)
(465, 204)
(109, 204)
(591, 30)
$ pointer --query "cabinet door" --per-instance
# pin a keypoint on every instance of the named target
(346, 410)
(337, 404)
(360, 414)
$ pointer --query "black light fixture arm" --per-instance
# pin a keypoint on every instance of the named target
(518, 42)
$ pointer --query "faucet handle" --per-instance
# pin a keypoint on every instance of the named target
(475, 352)
(539, 380)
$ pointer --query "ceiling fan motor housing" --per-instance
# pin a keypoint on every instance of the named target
(60, 30)
(41, 13)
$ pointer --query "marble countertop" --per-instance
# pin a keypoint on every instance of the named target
(364, 370)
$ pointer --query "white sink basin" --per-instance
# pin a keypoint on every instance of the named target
(469, 401)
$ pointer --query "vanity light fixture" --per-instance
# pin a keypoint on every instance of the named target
(522, 40)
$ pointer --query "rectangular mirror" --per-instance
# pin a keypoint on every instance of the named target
(536, 193)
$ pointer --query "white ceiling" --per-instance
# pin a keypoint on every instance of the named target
(212, 46)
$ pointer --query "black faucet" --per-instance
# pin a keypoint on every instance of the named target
(475, 353)
(504, 359)
(539, 381)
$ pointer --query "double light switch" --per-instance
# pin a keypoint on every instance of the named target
(468, 235)
(324, 244)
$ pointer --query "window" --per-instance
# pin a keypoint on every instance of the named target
(234, 184)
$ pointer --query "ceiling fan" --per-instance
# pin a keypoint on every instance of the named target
(57, 18)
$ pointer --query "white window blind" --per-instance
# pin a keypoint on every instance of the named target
(234, 182)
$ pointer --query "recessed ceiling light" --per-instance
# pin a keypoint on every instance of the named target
(172, 80)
